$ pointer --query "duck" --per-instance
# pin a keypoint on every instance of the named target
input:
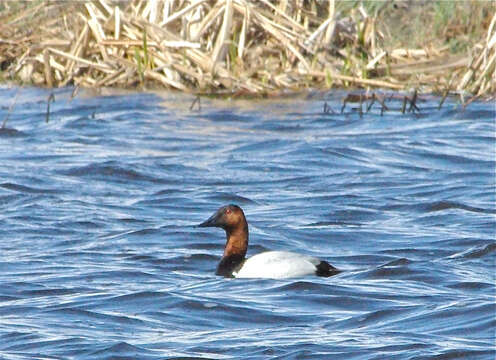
(269, 264)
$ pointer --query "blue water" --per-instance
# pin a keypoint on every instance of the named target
(100, 258)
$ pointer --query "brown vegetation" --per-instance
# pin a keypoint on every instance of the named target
(243, 46)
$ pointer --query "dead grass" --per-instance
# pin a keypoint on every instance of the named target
(244, 46)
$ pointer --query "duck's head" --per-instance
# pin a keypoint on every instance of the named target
(229, 218)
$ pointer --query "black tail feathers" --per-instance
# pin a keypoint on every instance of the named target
(325, 269)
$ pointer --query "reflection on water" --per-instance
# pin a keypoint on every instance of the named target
(101, 259)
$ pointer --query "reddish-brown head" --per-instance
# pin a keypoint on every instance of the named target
(229, 218)
(232, 219)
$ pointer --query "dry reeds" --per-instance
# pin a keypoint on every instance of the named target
(480, 76)
(235, 45)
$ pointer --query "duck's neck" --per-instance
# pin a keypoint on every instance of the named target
(237, 241)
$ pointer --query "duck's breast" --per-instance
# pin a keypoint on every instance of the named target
(278, 265)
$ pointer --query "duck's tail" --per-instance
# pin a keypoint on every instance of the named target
(325, 269)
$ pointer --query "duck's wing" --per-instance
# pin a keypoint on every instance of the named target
(278, 265)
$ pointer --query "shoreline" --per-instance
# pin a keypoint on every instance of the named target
(214, 47)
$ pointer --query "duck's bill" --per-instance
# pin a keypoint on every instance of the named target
(210, 222)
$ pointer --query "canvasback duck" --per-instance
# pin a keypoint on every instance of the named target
(270, 264)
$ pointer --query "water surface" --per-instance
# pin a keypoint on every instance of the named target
(101, 259)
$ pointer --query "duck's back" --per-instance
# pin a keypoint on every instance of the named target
(279, 265)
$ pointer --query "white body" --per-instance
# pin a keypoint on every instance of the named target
(278, 265)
